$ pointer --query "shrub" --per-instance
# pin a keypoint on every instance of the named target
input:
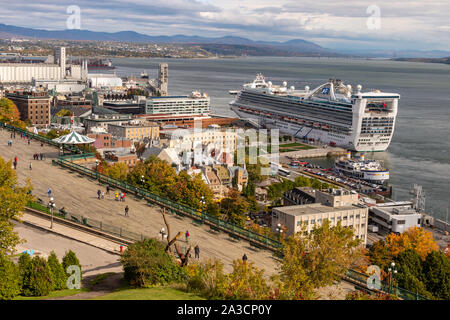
(69, 259)
(146, 263)
(205, 278)
(59, 276)
(37, 278)
(245, 282)
(9, 278)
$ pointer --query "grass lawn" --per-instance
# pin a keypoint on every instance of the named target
(155, 293)
(297, 146)
(54, 294)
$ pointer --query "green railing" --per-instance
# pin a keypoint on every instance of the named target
(385, 287)
(33, 136)
(175, 207)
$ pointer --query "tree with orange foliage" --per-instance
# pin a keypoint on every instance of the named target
(414, 238)
(10, 114)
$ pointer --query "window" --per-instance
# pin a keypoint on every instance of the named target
(345, 218)
(351, 217)
(357, 216)
(401, 222)
(313, 221)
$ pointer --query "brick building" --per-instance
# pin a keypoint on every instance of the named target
(34, 106)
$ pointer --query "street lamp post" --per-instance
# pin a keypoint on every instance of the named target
(51, 206)
(203, 208)
(280, 231)
(392, 270)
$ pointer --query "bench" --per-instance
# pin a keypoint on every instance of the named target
(256, 245)
(235, 237)
(214, 228)
(199, 222)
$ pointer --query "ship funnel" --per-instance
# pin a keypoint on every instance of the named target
(349, 155)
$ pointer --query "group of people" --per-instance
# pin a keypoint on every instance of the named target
(120, 196)
(38, 156)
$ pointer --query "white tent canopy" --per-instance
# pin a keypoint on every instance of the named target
(74, 138)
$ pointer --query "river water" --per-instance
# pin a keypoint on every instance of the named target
(420, 150)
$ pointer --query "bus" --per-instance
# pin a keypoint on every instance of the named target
(284, 172)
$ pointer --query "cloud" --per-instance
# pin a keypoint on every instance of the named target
(327, 22)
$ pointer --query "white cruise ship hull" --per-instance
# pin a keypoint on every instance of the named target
(299, 131)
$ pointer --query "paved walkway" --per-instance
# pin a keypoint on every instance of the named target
(78, 195)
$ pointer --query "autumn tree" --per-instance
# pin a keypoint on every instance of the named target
(414, 238)
(245, 282)
(316, 259)
(13, 200)
(234, 207)
(117, 171)
(10, 114)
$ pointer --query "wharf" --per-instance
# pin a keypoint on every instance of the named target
(316, 153)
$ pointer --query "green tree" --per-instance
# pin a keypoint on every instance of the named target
(302, 181)
(205, 278)
(59, 276)
(316, 259)
(69, 259)
(245, 282)
(436, 271)
(37, 278)
(234, 207)
(12, 202)
(146, 263)
(117, 171)
(10, 282)
(409, 275)
(380, 255)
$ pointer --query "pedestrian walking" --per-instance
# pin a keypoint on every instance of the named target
(31, 167)
(49, 192)
(187, 236)
(99, 193)
(197, 252)
(40, 156)
(117, 195)
(103, 194)
(29, 141)
(123, 197)
(15, 165)
(126, 211)
(15, 159)
(120, 196)
(244, 257)
(107, 190)
(42, 145)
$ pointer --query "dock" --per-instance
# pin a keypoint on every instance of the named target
(316, 153)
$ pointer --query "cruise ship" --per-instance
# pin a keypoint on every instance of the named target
(368, 170)
(333, 113)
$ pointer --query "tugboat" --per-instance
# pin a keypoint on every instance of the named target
(368, 170)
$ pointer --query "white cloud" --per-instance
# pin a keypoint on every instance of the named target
(404, 23)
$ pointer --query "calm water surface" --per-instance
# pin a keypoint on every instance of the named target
(420, 149)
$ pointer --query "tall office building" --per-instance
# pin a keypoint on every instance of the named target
(163, 79)
(60, 59)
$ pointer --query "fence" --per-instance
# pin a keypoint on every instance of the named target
(175, 207)
(385, 287)
(34, 136)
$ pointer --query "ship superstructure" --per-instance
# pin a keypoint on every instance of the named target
(368, 170)
(333, 113)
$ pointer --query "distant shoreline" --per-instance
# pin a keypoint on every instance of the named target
(425, 60)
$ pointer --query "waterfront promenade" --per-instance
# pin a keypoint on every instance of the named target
(78, 195)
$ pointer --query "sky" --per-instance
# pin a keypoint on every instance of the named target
(334, 24)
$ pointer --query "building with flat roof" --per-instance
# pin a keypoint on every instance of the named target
(337, 205)
(102, 121)
(194, 104)
(395, 217)
(135, 130)
(299, 195)
(34, 106)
